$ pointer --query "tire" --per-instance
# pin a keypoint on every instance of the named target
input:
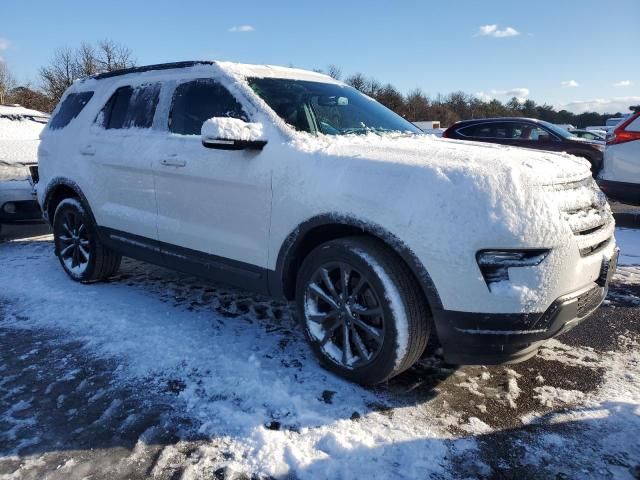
(379, 309)
(78, 247)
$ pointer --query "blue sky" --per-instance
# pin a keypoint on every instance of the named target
(490, 48)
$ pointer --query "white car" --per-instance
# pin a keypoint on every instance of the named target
(620, 175)
(19, 131)
(293, 184)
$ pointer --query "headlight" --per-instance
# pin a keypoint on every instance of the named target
(10, 171)
(495, 264)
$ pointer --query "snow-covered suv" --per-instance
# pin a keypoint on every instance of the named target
(290, 183)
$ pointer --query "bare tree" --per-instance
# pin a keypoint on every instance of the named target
(334, 72)
(357, 81)
(68, 65)
(7, 82)
(112, 56)
(60, 74)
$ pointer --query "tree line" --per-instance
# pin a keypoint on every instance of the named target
(448, 109)
(69, 64)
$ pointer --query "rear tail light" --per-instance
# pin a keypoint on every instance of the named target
(622, 135)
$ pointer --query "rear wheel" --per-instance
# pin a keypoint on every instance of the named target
(80, 251)
(361, 309)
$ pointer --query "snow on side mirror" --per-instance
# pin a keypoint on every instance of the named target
(226, 133)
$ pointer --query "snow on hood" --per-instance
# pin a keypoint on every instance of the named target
(453, 158)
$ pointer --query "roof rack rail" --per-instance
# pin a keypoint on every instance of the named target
(148, 68)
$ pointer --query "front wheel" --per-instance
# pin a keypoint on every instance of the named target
(80, 251)
(361, 309)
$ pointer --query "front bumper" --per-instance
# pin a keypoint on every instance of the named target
(489, 339)
(18, 203)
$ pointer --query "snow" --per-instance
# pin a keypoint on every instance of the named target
(232, 129)
(17, 110)
(395, 304)
(236, 389)
(244, 373)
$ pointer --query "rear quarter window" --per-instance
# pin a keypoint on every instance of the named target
(70, 108)
(131, 107)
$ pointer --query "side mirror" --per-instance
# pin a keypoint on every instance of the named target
(224, 133)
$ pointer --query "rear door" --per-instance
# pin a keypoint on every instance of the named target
(124, 201)
(214, 206)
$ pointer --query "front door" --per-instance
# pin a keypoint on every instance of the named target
(214, 206)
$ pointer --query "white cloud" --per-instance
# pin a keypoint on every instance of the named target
(493, 31)
(623, 83)
(570, 84)
(242, 29)
(520, 93)
(602, 105)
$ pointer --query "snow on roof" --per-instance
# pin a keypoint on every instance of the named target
(231, 68)
(273, 71)
(19, 110)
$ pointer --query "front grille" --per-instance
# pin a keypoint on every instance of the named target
(585, 209)
(589, 301)
(33, 170)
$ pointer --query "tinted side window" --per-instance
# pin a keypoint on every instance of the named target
(199, 100)
(498, 130)
(482, 130)
(70, 109)
(131, 107)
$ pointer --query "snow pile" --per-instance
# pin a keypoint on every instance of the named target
(232, 129)
(549, 396)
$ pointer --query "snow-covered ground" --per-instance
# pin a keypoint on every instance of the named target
(160, 375)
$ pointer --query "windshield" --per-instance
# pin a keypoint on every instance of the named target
(327, 108)
(557, 130)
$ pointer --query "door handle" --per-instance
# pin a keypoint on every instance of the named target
(89, 151)
(173, 162)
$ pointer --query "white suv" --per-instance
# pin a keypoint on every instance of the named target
(620, 175)
(293, 184)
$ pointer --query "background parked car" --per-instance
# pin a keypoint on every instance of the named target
(19, 132)
(590, 135)
(620, 176)
(529, 133)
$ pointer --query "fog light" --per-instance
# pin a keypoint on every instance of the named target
(9, 208)
(495, 264)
